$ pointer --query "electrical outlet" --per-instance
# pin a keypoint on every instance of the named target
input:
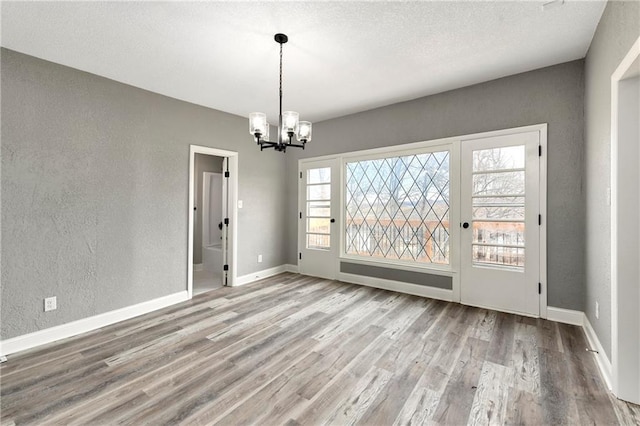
(597, 310)
(50, 304)
(259, 258)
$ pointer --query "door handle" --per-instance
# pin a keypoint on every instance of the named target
(465, 225)
(332, 221)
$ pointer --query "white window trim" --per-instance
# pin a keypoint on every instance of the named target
(417, 148)
(454, 196)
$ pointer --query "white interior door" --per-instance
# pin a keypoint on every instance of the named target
(212, 208)
(318, 230)
(500, 237)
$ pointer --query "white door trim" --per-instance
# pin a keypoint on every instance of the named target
(233, 211)
(542, 229)
(623, 326)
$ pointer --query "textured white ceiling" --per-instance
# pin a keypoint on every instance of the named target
(342, 57)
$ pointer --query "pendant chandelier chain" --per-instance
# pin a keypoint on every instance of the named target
(280, 115)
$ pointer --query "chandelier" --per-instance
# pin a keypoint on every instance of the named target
(288, 122)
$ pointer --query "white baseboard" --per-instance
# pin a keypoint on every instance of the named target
(291, 268)
(48, 335)
(568, 316)
(601, 357)
(198, 267)
(565, 316)
(414, 289)
(265, 273)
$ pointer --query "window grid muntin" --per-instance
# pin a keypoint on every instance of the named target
(397, 207)
(317, 178)
(503, 247)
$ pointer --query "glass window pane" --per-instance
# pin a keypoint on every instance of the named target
(499, 256)
(398, 207)
(318, 225)
(322, 175)
(508, 233)
(486, 200)
(501, 183)
(511, 157)
(315, 241)
(315, 208)
(318, 192)
(499, 212)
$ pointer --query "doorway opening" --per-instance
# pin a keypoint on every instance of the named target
(210, 211)
(212, 219)
(625, 232)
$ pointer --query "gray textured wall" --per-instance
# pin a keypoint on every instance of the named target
(95, 189)
(203, 163)
(412, 277)
(618, 29)
(552, 95)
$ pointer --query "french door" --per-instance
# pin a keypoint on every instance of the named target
(319, 208)
(500, 237)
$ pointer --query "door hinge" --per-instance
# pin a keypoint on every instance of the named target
(300, 256)
(300, 175)
(539, 219)
(225, 268)
(539, 150)
(226, 221)
(226, 174)
(539, 288)
(300, 215)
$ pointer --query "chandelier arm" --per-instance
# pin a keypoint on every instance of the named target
(296, 145)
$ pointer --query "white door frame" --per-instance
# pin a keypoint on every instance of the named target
(625, 327)
(336, 183)
(232, 158)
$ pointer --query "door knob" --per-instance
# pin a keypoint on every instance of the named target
(465, 225)
(333, 221)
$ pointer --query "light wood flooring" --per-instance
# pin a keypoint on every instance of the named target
(301, 350)
(204, 281)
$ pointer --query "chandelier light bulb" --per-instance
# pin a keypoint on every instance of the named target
(258, 124)
(304, 131)
(290, 121)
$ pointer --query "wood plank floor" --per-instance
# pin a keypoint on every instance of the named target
(304, 351)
